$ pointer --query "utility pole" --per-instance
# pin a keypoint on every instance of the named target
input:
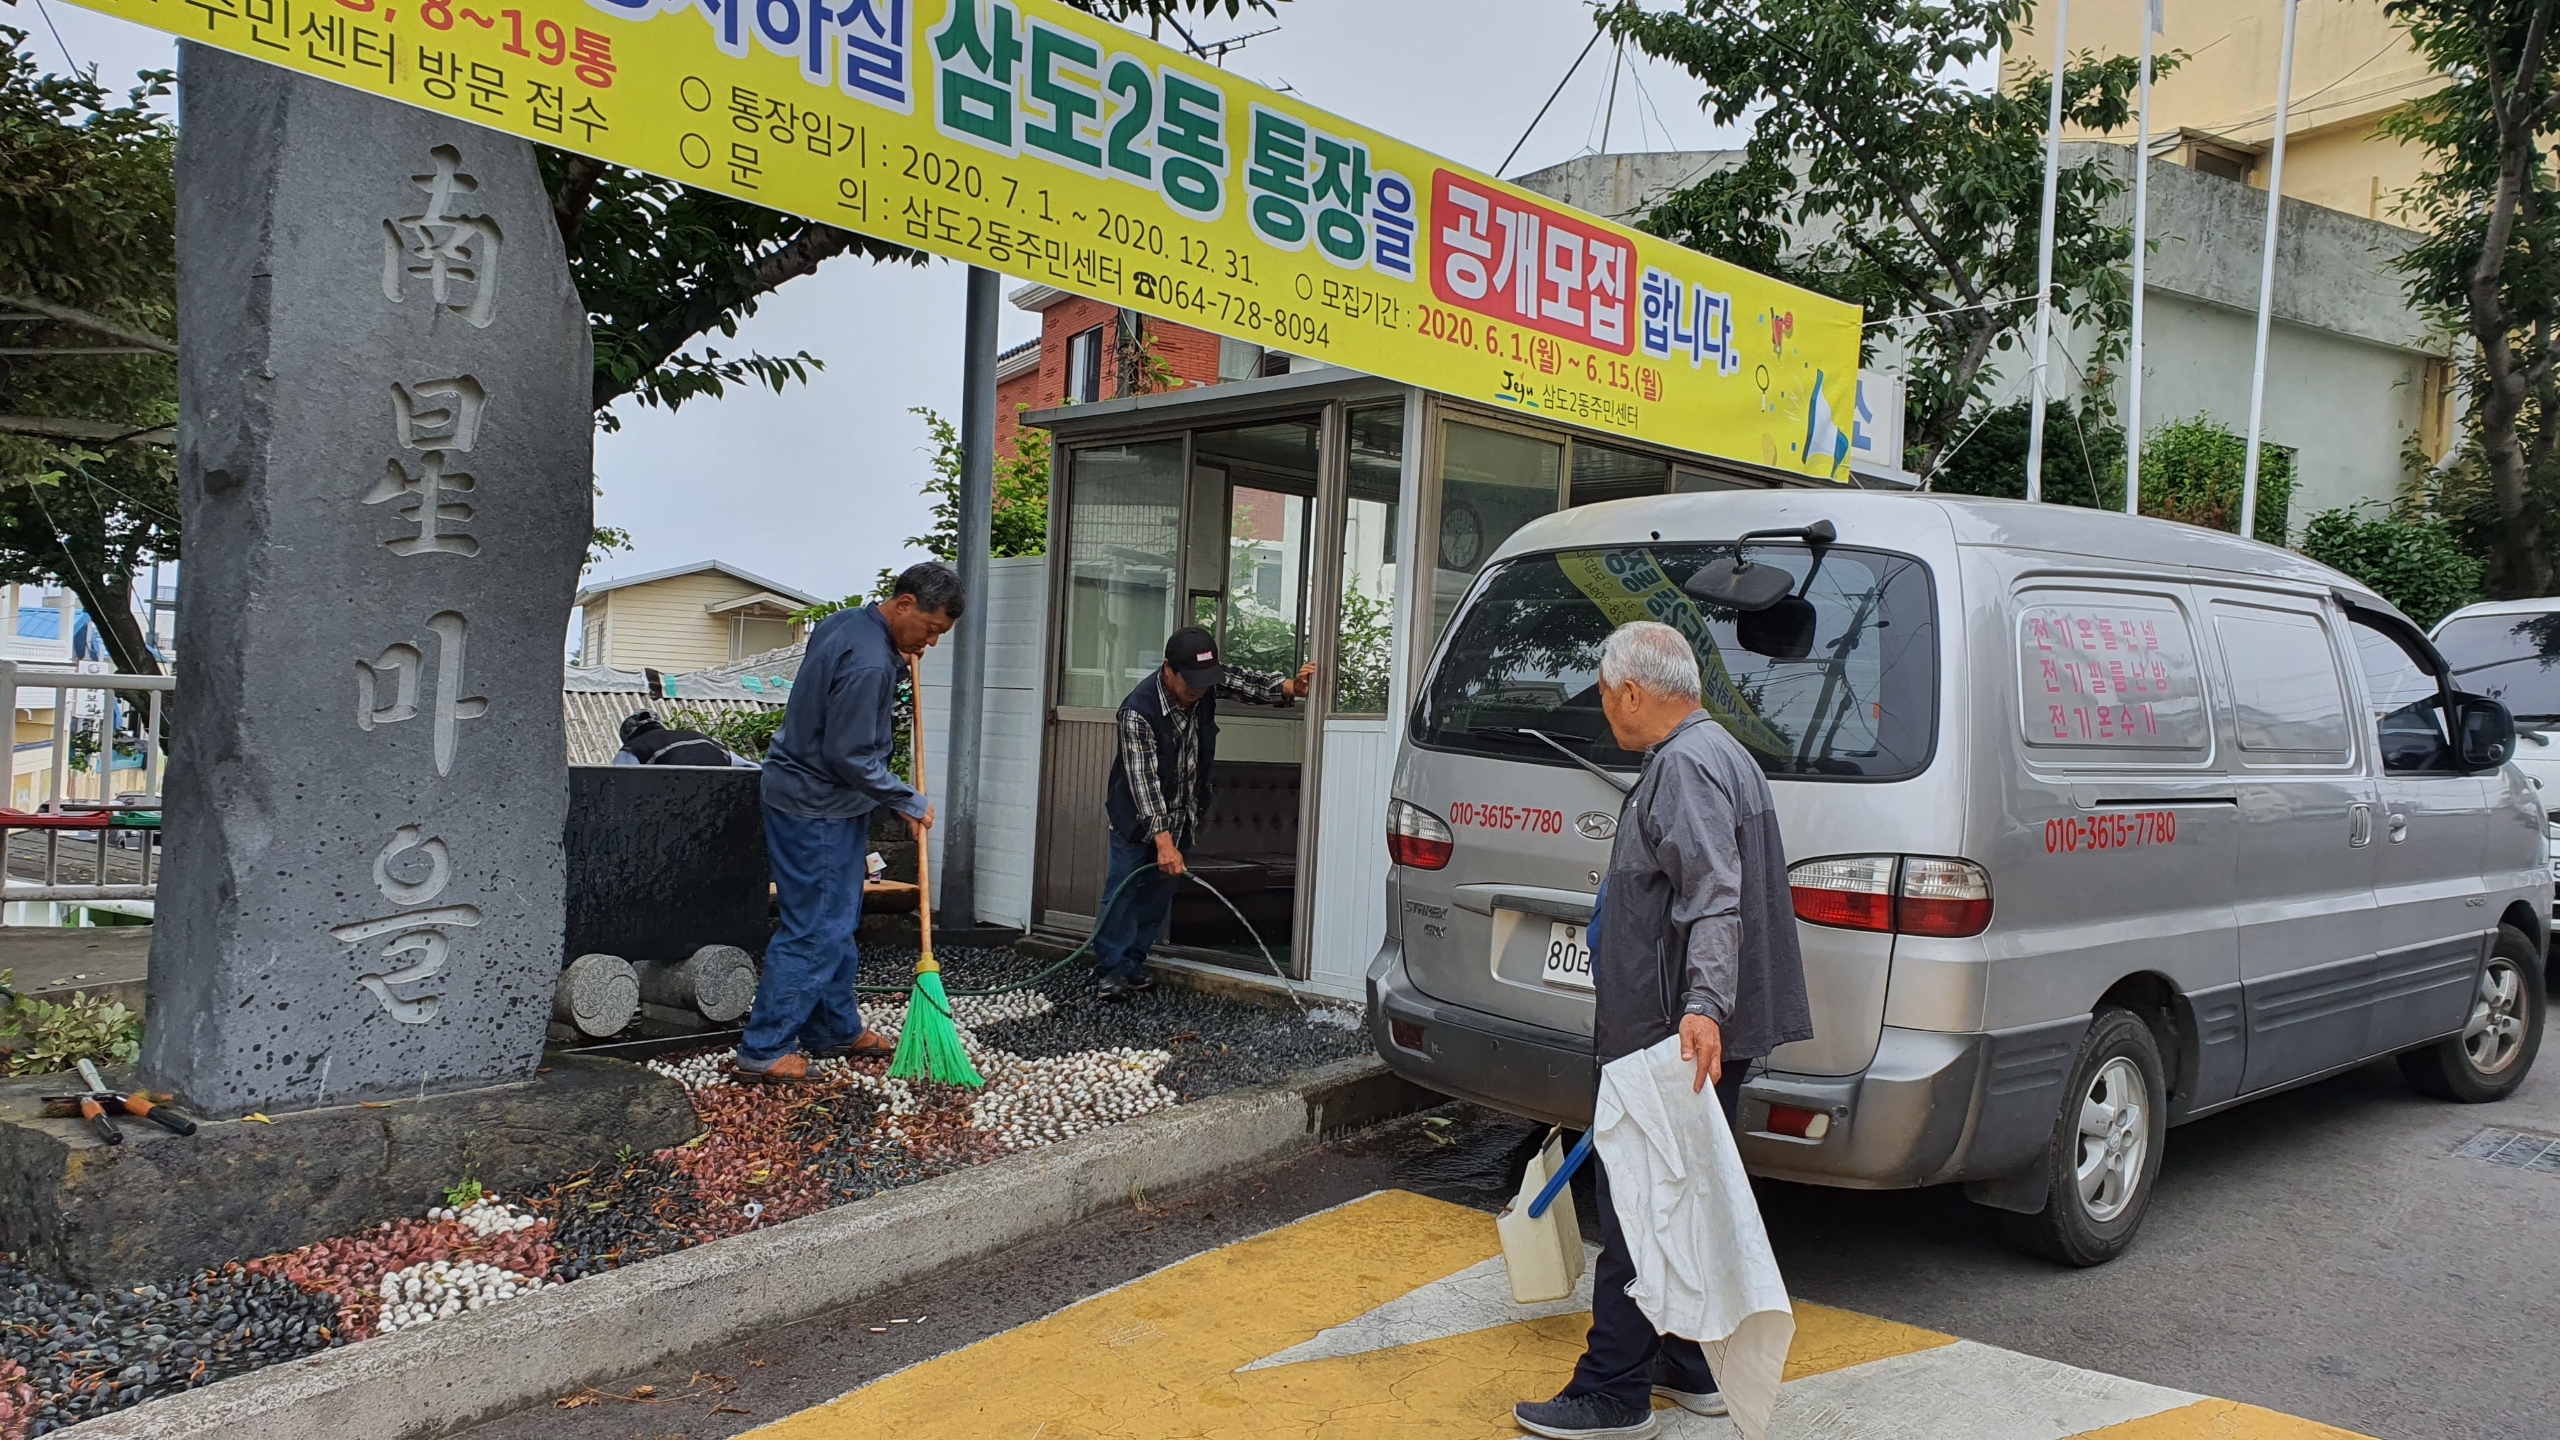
(2152, 22)
(2267, 277)
(2044, 257)
(959, 820)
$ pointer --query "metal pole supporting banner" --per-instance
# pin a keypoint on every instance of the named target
(959, 819)
(2151, 24)
(2267, 277)
(2044, 257)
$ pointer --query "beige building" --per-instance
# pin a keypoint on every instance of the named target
(2216, 112)
(690, 618)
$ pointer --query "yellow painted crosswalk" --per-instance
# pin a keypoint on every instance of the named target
(1389, 1317)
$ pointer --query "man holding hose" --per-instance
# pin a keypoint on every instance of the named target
(1160, 787)
(827, 770)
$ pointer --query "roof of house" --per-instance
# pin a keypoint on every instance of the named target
(594, 698)
(723, 567)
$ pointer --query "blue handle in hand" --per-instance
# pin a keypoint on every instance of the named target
(1555, 1186)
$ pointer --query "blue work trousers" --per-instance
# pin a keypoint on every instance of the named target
(804, 997)
(1618, 1357)
(1125, 931)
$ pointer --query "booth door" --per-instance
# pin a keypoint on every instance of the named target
(1119, 592)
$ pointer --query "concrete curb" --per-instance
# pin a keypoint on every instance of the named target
(442, 1378)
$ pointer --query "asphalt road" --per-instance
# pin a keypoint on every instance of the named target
(2324, 1253)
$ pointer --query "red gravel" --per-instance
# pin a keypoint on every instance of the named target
(351, 1267)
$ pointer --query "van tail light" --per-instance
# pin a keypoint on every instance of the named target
(1849, 893)
(1418, 838)
(1951, 898)
(1893, 894)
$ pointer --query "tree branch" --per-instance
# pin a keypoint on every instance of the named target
(579, 175)
(108, 432)
(99, 323)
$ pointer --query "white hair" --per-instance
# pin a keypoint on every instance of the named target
(1651, 656)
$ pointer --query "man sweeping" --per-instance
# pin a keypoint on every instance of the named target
(826, 771)
(1160, 787)
(1695, 935)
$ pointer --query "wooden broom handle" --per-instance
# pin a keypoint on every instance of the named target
(915, 767)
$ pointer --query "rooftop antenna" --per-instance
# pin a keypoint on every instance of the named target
(1217, 51)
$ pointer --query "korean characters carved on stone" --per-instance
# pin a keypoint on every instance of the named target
(1508, 259)
(446, 258)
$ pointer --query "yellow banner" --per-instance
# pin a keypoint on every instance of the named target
(1628, 585)
(1052, 145)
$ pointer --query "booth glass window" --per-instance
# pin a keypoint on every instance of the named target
(1266, 580)
(1600, 473)
(1365, 620)
(1492, 482)
(1124, 536)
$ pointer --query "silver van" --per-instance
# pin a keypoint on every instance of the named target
(2096, 825)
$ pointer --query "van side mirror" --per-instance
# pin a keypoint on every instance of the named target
(2484, 732)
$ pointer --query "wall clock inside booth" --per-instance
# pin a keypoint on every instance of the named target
(1461, 537)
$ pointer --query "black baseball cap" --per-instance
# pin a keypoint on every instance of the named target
(1194, 656)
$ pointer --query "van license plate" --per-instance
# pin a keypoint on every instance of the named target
(1568, 957)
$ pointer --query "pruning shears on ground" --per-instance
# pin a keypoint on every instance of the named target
(100, 1103)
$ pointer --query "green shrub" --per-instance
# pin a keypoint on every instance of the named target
(2417, 565)
(2194, 470)
(50, 1038)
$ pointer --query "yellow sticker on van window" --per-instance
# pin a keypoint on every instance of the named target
(1628, 585)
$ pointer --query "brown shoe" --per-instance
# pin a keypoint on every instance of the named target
(869, 1045)
(789, 1070)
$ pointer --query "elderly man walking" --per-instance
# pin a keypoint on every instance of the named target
(1695, 934)
(826, 771)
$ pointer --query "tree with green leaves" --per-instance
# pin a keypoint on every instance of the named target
(662, 265)
(88, 383)
(1877, 175)
(2489, 267)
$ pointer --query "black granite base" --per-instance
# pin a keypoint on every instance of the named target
(160, 1206)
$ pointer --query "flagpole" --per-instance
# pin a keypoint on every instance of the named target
(2141, 230)
(2044, 257)
(2267, 277)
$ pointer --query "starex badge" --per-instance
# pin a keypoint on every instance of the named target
(1596, 825)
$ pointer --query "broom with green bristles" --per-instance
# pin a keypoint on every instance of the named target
(929, 1043)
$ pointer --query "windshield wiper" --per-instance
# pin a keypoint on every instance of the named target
(1623, 787)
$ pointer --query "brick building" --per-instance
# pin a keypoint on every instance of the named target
(1078, 358)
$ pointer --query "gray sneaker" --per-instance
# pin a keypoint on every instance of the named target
(1585, 1417)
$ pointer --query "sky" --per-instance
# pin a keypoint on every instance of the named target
(819, 487)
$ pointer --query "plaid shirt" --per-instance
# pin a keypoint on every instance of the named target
(1180, 816)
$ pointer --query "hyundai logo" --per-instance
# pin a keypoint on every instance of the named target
(1596, 826)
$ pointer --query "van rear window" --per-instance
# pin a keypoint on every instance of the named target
(1522, 661)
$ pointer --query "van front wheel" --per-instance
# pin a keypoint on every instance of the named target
(2105, 1150)
(2489, 1059)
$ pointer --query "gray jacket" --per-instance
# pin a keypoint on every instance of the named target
(830, 759)
(1696, 917)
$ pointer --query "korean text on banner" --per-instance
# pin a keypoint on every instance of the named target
(1628, 586)
(1050, 144)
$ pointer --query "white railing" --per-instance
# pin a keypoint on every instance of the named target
(58, 807)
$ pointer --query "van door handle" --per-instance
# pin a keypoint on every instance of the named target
(2359, 826)
(2399, 826)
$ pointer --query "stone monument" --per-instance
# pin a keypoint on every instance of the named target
(384, 444)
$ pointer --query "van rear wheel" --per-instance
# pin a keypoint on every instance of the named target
(2499, 1038)
(2105, 1150)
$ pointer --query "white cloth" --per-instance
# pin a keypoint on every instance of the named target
(1703, 1264)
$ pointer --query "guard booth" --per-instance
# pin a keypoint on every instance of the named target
(1322, 515)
